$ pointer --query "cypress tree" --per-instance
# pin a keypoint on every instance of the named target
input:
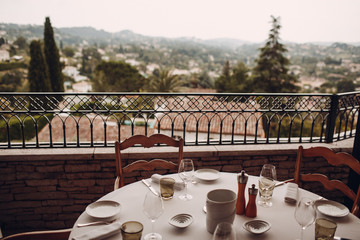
(38, 74)
(270, 75)
(52, 58)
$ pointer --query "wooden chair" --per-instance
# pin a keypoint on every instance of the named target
(41, 235)
(146, 142)
(334, 159)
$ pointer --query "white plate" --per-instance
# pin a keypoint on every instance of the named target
(207, 174)
(331, 208)
(181, 220)
(257, 226)
(103, 209)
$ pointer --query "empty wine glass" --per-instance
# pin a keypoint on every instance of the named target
(186, 171)
(153, 207)
(305, 214)
(224, 231)
(267, 184)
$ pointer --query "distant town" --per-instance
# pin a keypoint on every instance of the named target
(319, 67)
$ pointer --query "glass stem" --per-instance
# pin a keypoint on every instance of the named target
(302, 233)
(186, 191)
(153, 226)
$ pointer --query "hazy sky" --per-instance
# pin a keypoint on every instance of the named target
(301, 20)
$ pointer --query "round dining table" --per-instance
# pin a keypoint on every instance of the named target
(280, 215)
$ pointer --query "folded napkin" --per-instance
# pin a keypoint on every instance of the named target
(291, 193)
(100, 232)
(178, 185)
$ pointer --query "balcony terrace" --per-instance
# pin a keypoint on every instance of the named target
(56, 150)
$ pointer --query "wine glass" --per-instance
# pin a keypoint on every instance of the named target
(224, 231)
(305, 213)
(186, 171)
(153, 207)
(267, 184)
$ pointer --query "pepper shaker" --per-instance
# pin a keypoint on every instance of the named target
(251, 210)
(240, 202)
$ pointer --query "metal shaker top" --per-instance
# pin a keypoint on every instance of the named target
(253, 190)
(242, 177)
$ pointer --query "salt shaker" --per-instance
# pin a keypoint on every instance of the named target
(251, 210)
(240, 202)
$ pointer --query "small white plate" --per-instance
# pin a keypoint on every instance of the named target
(103, 209)
(257, 226)
(181, 220)
(207, 174)
(331, 208)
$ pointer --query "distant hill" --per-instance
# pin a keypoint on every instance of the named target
(232, 49)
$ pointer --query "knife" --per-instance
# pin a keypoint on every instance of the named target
(150, 187)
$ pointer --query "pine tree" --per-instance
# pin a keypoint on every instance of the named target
(52, 58)
(224, 79)
(38, 73)
(270, 75)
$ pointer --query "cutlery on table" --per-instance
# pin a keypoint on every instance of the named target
(95, 223)
(150, 187)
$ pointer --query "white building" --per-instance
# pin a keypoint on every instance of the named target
(4, 55)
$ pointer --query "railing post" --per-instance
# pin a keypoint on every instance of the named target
(330, 124)
(356, 147)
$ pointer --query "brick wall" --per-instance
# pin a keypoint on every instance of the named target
(49, 189)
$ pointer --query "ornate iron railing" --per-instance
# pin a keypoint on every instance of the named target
(58, 120)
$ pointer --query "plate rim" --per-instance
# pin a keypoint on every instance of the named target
(333, 203)
(208, 170)
(89, 207)
(191, 220)
(257, 220)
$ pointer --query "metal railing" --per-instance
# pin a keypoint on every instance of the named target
(59, 120)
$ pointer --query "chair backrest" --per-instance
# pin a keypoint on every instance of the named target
(62, 234)
(333, 159)
(146, 142)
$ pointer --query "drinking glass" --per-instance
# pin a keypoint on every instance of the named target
(153, 207)
(186, 171)
(267, 184)
(305, 214)
(224, 231)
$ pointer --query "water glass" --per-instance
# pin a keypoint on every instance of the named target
(167, 188)
(131, 230)
(267, 184)
(305, 214)
(324, 229)
(186, 172)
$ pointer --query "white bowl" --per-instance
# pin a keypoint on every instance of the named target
(257, 226)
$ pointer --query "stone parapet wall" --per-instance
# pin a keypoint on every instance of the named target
(49, 189)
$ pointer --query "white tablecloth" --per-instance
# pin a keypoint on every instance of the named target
(280, 215)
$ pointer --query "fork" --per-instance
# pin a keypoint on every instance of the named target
(95, 223)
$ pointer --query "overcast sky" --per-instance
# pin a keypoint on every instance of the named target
(301, 20)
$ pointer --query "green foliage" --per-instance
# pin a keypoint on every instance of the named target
(52, 58)
(163, 80)
(300, 125)
(68, 51)
(21, 42)
(221, 84)
(15, 127)
(10, 81)
(235, 80)
(117, 77)
(38, 73)
(330, 61)
(270, 75)
(345, 86)
(12, 65)
(90, 59)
